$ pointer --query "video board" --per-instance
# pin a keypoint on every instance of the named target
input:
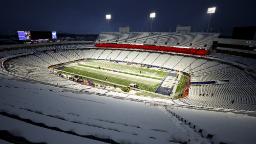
(36, 35)
(24, 35)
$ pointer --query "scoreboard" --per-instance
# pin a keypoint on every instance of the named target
(23, 35)
(36, 35)
(54, 35)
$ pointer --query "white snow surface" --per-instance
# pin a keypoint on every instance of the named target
(123, 121)
(226, 126)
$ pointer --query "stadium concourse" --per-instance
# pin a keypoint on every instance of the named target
(37, 106)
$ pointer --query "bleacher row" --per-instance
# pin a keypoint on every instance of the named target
(193, 40)
(16, 51)
(238, 93)
(248, 62)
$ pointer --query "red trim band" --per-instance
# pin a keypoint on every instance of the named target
(192, 51)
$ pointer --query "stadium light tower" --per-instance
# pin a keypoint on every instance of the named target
(210, 12)
(152, 16)
(108, 18)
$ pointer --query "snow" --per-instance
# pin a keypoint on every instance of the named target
(36, 134)
(227, 126)
(86, 114)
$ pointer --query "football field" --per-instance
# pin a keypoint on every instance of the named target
(118, 74)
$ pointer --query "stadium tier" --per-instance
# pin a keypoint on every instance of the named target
(190, 43)
(214, 82)
(36, 94)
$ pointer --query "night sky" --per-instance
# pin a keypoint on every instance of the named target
(87, 16)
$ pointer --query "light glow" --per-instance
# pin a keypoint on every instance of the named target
(108, 16)
(152, 15)
(211, 10)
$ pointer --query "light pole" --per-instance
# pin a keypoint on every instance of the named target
(210, 12)
(108, 18)
(152, 16)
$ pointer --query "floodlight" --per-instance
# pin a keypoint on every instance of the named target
(108, 16)
(152, 15)
(211, 10)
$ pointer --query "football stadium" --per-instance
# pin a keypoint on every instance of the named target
(129, 87)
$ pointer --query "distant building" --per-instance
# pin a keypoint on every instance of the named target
(183, 29)
(124, 29)
(244, 33)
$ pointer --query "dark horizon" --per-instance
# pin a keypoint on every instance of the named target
(82, 17)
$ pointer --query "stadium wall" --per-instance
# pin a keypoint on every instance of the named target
(183, 50)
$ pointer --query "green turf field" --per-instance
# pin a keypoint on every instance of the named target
(131, 69)
(181, 85)
(120, 74)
